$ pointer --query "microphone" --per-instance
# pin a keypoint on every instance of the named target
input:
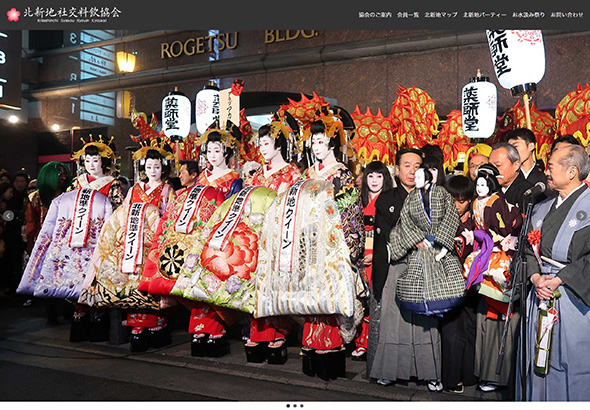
(537, 189)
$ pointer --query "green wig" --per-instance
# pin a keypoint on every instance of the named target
(48, 180)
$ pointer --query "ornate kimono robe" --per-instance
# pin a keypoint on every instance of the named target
(304, 265)
(107, 285)
(220, 269)
(427, 286)
(228, 184)
(169, 248)
(349, 203)
(325, 332)
(565, 238)
(268, 329)
(498, 220)
(159, 196)
(54, 268)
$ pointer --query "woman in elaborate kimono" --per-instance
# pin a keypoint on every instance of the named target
(208, 323)
(220, 149)
(376, 179)
(268, 335)
(154, 165)
(220, 268)
(323, 337)
(117, 264)
(179, 229)
(97, 159)
(497, 226)
(60, 259)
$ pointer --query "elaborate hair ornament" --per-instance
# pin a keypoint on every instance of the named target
(103, 148)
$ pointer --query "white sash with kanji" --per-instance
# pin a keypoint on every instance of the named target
(185, 222)
(231, 220)
(132, 256)
(288, 227)
(81, 219)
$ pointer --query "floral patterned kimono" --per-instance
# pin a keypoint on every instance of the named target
(324, 332)
(169, 250)
(221, 268)
(109, 283)
(269, 329)
(57, 267)
(494, 216)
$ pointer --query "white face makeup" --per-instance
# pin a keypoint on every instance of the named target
(153, 170)
(268, 150)
(215, 154)
(375, 182)
(434, 173)
(481, 187)
(319, 146)
(93, 165)
(420, 178)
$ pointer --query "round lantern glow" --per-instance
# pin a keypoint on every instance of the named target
(479, 108)
(207, 107)
(176, 115)
(518, 57)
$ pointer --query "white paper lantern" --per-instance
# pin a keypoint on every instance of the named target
(176, 115)
(479, 108)
(518, 57)
(207, 107)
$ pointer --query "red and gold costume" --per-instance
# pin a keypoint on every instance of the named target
(279, 180)
(169, 251)
(205, 318)
(159, 196)
(493, 215)
(223, 183)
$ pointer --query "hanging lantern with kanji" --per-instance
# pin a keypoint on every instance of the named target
(207, 107)
(479, 107)
(176, 115)
(519, 61)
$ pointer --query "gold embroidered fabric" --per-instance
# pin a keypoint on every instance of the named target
(319, 278)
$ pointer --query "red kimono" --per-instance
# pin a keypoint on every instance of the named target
(362, 340)
(222, 183)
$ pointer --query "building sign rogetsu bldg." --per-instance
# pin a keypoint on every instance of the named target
(226, 41)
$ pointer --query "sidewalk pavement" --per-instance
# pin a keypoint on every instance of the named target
(28, 325)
